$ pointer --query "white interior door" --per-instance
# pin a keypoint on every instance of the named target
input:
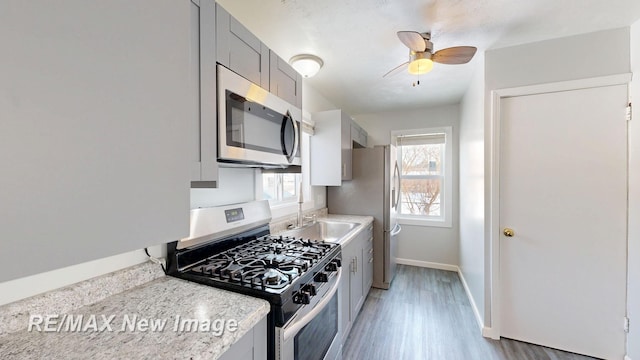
(563, 192)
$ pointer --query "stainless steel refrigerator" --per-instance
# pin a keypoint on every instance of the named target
(374, 191)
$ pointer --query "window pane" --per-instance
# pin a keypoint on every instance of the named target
(421, 196)
(269, 187)
(289, 188)
(422, 159)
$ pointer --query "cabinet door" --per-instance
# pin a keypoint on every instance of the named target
(240, 50)
(284, 80)
(357, 298)
(202, 129)
(346, 146)
(368, 262)
(344, 317)
(93, 112)
(251, 346)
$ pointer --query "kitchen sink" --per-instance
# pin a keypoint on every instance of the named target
(327, 230)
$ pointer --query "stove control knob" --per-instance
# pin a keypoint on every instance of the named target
(310, 289)
(321, 277)
(301, 298)
(331, 267)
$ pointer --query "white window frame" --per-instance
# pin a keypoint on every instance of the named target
(280, 201)
(446, 197)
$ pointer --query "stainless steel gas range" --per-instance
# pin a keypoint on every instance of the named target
(230, 247)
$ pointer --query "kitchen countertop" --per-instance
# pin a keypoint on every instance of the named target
(167, 299)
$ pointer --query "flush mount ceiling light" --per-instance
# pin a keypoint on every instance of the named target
(306, 64)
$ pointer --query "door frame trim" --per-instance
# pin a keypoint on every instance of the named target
(492, 209)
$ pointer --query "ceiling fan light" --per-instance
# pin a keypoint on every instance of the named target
(420, 66)
(307, 65)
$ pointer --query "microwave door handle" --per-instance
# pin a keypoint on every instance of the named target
(293, 329)
(296, 140)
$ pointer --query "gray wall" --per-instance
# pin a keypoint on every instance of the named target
(633, 303)
(472, 189)
(421, 243)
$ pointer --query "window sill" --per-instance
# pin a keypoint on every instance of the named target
(404, 220)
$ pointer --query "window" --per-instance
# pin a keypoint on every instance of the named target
(280, 188)
(424, 161)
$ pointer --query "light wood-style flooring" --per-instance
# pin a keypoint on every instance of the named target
(427, 315)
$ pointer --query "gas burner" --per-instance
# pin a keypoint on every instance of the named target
(270, 263)
(271, 276)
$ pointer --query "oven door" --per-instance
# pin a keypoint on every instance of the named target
(255, 126)
(313, 334)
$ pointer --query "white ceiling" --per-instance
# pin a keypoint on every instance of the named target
(358, 43)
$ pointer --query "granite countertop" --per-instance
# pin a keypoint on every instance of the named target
(115, 326)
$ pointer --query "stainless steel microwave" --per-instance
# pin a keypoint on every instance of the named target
(255, 127)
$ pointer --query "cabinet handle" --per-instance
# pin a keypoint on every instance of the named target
(344, 170)
(370, 251)
(370, 260)
(355, 264)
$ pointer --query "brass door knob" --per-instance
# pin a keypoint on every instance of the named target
(508, 232)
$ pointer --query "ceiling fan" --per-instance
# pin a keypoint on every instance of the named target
(422, 57)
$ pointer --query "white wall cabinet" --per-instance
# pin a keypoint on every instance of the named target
(94, 147)
(202, 127)
(357, 264)
(252, 345)
(240, 50)
(284, 80)
(331, 148)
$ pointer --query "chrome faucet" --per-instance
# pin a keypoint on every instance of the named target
(300, 219)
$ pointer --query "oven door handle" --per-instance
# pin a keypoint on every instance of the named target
(293, 329)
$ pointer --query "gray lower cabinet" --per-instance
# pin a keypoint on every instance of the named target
(252, 346)
(202, 127)
(357, 277)
(240, 50)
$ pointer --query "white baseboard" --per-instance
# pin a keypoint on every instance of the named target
(427, 264)
(476, 312)
(490, 333)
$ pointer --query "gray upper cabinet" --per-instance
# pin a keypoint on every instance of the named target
(284, 80)
(240, 50)
(202, 127)
(95, 143)
(358, 136)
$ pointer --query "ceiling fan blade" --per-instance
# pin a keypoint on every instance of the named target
(413, 40)
(396, 69)
(454, 55)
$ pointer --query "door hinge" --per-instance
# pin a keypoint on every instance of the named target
(626, 324)
(629, 113)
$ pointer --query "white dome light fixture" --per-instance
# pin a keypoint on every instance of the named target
(306, 64)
